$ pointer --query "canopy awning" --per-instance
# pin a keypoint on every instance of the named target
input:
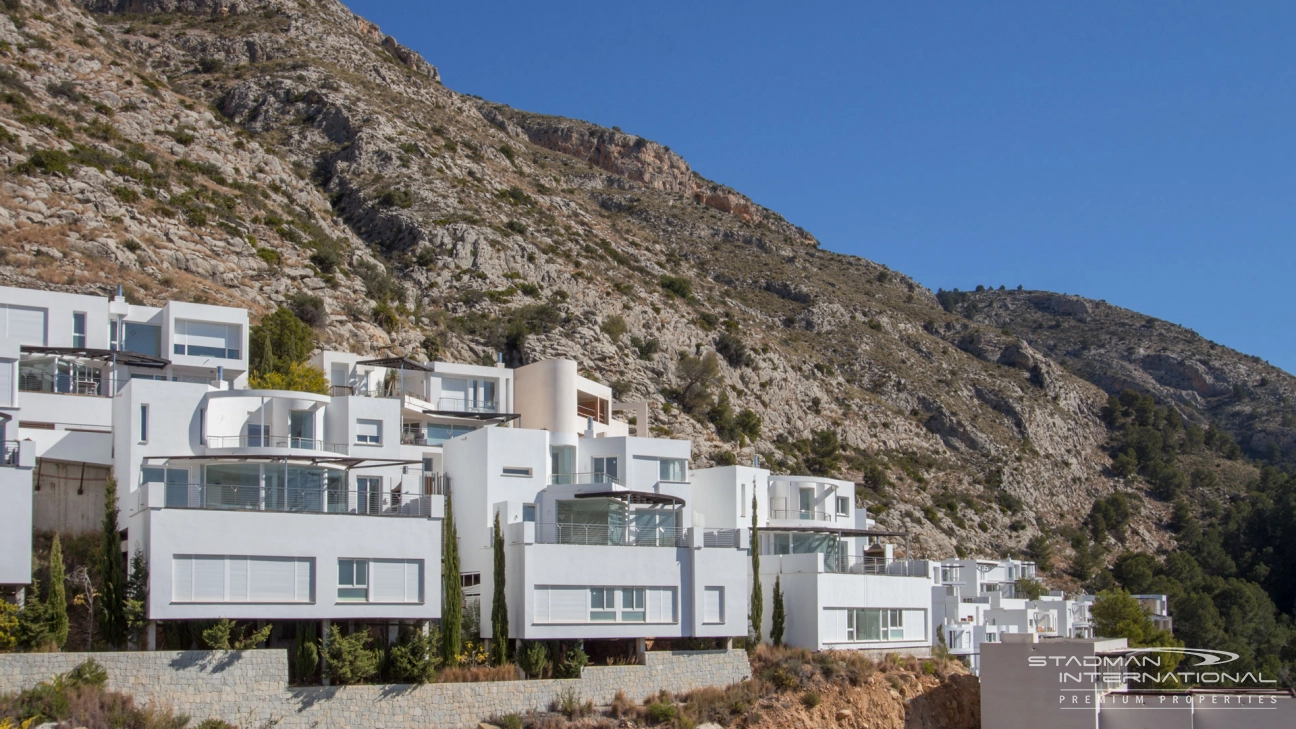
(632, 497)
(134, 359)
(484, 417)
(343, 461)
(832, 530)
(396, 363)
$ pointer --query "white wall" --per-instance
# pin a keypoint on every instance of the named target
(719, 494)
(324, 537)
(16, 534)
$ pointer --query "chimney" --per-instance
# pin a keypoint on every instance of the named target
(119, 291)
(589, 427)
(499, 359)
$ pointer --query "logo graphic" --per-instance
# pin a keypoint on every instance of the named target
(1208, 656)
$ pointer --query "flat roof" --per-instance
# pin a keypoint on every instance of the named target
(134, 359)
(399, 363)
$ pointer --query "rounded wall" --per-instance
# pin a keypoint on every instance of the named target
(545, 396)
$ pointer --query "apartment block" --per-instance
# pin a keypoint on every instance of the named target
(844, 586)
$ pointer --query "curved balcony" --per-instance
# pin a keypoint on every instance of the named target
(261, 443)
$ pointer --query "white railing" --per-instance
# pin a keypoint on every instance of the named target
(628, 535)
(273, 441)
(720, 538)
(301, 500)
(855, 565)
(569, 479)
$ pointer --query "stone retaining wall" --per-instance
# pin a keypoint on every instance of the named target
(249, 688)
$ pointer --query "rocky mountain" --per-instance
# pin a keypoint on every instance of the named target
(268, 153)
(1118, 349)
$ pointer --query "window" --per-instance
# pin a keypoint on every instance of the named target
(114, 334)
(142, 339)
(207, 339)
(874, 624)
(256, 436)
(144, 413)
(605, 470)
(438, 434)
(78, 329)
(562, 464)
(369, 494)
(369, 432)
(517, 471)
(339, 374)
(470, 579)
(353, 579)
(713, 605)
(602, 604)
(380, 580)
(301, 429)
(806, 502)
(671, 469)
(632, 605)
(230, 579)
(843, 505)
(25, 324)
(529, 512)
(742, 501)
(177, 485)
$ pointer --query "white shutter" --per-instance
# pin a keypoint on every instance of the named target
(564, 604)
(836, 624)
(661, 604)
(915, 624)
(238, 579)
(368, 431)
(209, 579)
(7, 367)
(386, 581)
(182, 579)
(540, 614)
(272, 579)
(713, 605)
(25, 324)
(303, 591)
(414, 580)
(206, 334)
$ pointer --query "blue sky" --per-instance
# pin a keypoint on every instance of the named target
(1139, 153)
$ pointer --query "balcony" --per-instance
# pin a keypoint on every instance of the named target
(274, 441)
(803, 515)
(603, 535)
(720, 538)
(62, 384)
(576, 479)
(848, 564)
(232, 497)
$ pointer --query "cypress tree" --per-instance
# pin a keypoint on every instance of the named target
(757, 599)
(499, 606)
(778, 616)
(451, 590)
(112, 573)
(56, 600)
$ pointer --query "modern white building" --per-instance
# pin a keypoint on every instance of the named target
(977, 601)
(602, 539)
(17, 458)
(843, 586)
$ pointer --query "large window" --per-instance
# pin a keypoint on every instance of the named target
(380, 580)
(142, 339)
(207, 339)
(606, 471)
(230, 579)
(24, 324)
(353, 579)
(438, 434)
(369, 432)
(843, 505)
(874, 624)
(78, 329)
(672, 469)
(566, 604)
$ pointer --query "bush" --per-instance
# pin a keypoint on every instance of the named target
(510, 721)
(645, 347)
(226, 635)
(614, 325)
(349, 658)
(810, 699)
(677, 286)
(414, 659)
(724, 458)
(50, 161)
(299, 377)
(279, 341)
(731, 347)
(533, 659)
(309, 308)
(573, 662)
(272, 257)
(305, 655)
(396, 198)
(661, 713)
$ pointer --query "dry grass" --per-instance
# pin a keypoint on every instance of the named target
(479, 674)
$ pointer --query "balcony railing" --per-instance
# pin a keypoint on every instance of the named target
(855, 565)
(569, 479)
(306, 500)
(447, 404)
(610, 536)
(802, 515)
(273, 441)
(66, 384)
(727, 538)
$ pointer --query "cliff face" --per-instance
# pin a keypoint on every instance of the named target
(248, 152)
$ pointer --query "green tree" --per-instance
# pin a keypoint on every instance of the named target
(1116, 614)
(1040, 550)
(8, 626)
(305, 655)
(349, 658)
(34, 621)
(824, 453)
(533, 659)
(451, 589)
(1028, 589)
(499, 606)
(299, 377)
(136, 609)
(778, 617)
(757, 609)
(112, 573)
(414, 658)
(56, 601)
(227, 635)
(280, 340)
(696, 377)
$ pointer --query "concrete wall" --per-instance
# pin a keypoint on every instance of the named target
(16, 536)
(250, 687)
